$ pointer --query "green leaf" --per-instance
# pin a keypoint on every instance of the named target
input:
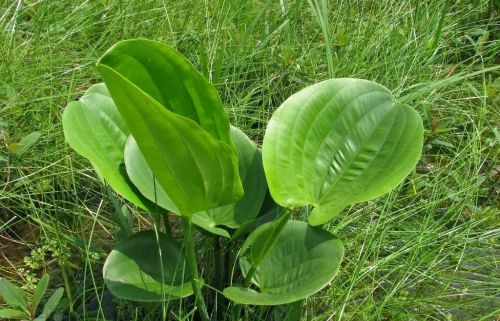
(259, 250)
(339, 142)
(254, 182)
(13, 296)
(51, 305)
(178, 122)
(94, 129)
(263, 218)
(143, 178)
(209, 223)
(143, 268)
(302, 261)
(169, 79)
(26, 143)
(39, 291)
(13, 314)
(12, 147)
(121, 216)
(251, 173)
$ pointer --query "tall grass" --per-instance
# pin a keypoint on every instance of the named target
(427, 251)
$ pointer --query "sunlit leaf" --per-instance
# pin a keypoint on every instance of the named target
(339, 142)
(177, 119)
(251, 173)
(302, 261)
(94, 129)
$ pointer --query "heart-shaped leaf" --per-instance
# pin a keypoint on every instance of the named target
(147, 268)
(339, 142)
(302, 260)
(94, 129)
(251, 173)
(178, 121)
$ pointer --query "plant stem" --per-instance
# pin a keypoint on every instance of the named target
(67, 286)
(160, 254)
(162, 213)
(193, 268)
(219, 256)
(279, 223)
(230, 260)
(219, 263)
(118, 216)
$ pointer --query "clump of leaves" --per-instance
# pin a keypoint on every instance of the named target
(156, 132)
(21, 307)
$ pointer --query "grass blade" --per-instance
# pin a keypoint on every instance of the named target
(431, 86)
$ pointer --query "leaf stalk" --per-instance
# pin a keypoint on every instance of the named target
(193, 268)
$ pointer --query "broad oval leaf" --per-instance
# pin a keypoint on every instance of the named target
(94, 129)
(144, 268)
(339, 142)
(250, 171)
(178, 122)
(302, 261)
(171, 80)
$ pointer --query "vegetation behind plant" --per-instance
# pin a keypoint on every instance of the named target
(427, 250)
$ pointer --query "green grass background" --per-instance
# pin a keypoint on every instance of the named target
(427, 251)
